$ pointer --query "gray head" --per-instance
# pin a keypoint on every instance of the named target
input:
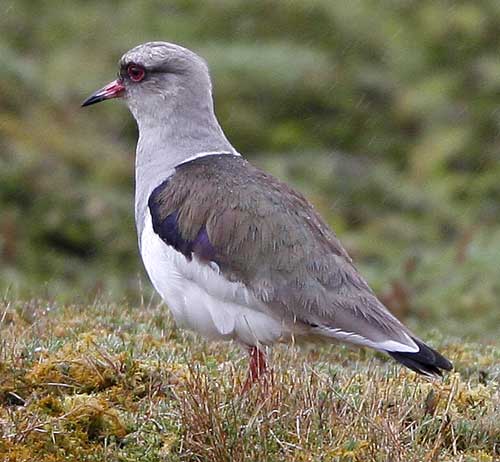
(168, 90)
(157, 76)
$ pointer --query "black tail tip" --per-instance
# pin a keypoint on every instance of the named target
(426, 361)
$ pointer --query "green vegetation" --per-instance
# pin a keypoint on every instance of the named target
(121, 383)
(384, 113)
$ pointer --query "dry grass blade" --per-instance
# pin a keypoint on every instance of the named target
(143, 390)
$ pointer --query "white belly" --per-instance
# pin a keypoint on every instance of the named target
(201, 299)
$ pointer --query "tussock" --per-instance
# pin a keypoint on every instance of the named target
(117, 384)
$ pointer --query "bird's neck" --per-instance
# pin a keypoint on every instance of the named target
(173, 138)
(178, 135)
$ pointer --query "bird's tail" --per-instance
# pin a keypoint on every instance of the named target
(426, 360)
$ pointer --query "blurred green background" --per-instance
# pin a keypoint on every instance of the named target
(386, 114)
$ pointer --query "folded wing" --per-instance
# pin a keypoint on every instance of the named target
(258, 231)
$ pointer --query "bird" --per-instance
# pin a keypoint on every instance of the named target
(235, 253)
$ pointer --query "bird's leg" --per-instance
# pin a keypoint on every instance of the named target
(257, 368)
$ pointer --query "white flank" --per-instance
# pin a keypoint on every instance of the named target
(201, 299)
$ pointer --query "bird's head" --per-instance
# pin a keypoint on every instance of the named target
(156, 77)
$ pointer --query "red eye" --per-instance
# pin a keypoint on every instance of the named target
(135, 72)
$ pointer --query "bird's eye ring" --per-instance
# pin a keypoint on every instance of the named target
(135, 72)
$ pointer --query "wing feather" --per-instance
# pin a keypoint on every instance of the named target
(267, 236)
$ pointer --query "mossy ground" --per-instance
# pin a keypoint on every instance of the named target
(114, 382)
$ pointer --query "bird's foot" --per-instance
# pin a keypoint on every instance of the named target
(257, 369)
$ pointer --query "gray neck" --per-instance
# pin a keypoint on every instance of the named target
(169, 140)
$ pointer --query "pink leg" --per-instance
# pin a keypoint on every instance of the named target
(257, 368)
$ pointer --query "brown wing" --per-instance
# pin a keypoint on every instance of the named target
(269, 237)
(266, 235)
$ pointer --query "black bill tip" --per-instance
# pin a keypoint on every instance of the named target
(93, 100)
(113, 89)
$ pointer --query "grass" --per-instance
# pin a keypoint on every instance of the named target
(116, 382)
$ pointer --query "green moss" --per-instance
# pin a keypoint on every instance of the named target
(108, 389)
